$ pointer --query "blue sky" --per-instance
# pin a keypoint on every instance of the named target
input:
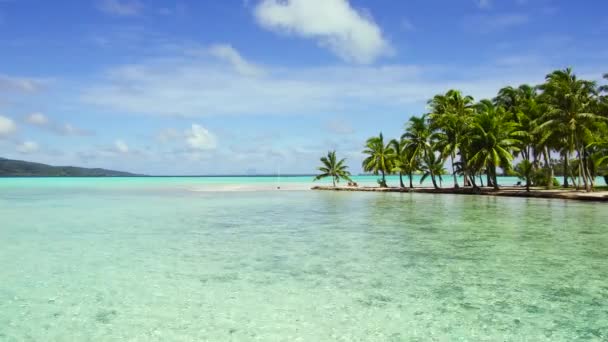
(231, 87)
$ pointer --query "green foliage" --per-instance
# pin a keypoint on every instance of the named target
(432, 167)
(334, 168)
(564, 116)
(524, 171)
(380, 158)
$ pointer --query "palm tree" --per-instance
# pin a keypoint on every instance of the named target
(380, 158)
(333, 168)
(449, 118)
(403, 163)
(399, 162)
(524, 170)
(417, 134)
(493, 138)
(569, 101)
(432, 166)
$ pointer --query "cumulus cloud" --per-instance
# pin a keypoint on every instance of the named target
(199, 138)
(229, 54)
(7, 126)
(38, 119)
(120, 7)
(121, 146)
(27, 147)
(334, 24)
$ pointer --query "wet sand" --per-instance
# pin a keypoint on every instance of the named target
(569, 194)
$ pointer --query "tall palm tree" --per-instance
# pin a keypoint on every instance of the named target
(334, 168)
(380, 158)
(569, 101)
(399, 163)
(493, 138)
(449, 117)
(417, 134)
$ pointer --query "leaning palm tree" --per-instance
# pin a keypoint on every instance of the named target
(432, 166)
(403, 163)
(380, 158)
(333, 168)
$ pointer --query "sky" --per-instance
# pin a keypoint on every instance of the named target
(250, 87)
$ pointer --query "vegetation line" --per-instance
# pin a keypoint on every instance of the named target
(559, 127)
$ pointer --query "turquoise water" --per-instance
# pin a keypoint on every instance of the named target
(217, 183)
(166, 260)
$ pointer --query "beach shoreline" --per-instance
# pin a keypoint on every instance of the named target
(506, 191)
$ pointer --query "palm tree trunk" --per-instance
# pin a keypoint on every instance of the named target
(566, 169)
(548, 165)
(494, 178)
(334, 180)
(401, 180)
(468, 180)
(411, 183)
(383, 179)
(454, 172)
(590, 179)
(434, 181)
(582, 168)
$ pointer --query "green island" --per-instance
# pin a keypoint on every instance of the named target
(537, 133)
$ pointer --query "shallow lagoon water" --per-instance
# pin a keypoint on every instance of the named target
(159, 263)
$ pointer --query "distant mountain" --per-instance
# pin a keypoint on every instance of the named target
(19, 168)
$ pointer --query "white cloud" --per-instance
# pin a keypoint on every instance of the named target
(66, 129)
(121, 146)
(190, 85)
(7, 126)
(185, 85)
(20, 84)
(199, 138)
(38, 119)
(27, 147)
(229, 54)
(121, 7)
(350, 34)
